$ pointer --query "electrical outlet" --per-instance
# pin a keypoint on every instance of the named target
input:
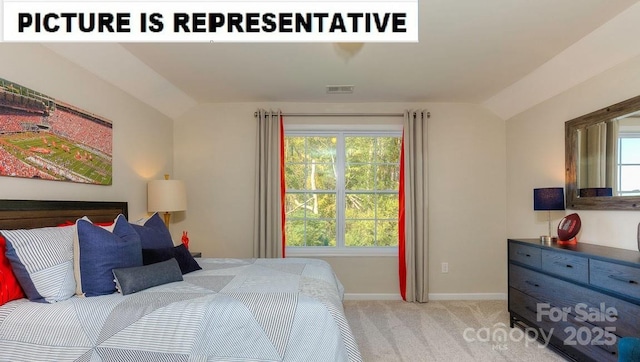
(445, 267)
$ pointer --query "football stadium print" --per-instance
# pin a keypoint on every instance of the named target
(43, 138)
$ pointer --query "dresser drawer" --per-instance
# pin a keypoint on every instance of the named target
(524, 254)
(581, 340)
(615, 277)
(585, 304)
(566, 265)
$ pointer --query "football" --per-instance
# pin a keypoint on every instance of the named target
(569, 227)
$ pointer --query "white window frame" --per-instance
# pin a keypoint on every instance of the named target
(619, 164)
(331, 129)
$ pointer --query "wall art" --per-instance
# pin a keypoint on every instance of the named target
(44, 138)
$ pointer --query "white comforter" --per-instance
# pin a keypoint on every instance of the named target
(232, 310)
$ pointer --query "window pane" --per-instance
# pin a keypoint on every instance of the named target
(359, 206)
(321, 206)
(359, 177)
(320, 177)
(388, 149)
(387, 233)
(321, 149)
(359, 233)
(630, 179)
(359, 149)
(294, 149)
(387, 207)
(295, 205)
(630, 150)
(321, 233)
(295, 234)
(295, 176)
(387, 177)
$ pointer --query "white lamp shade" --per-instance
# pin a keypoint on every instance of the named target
(166, 196)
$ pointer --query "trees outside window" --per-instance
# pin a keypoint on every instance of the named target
(342, 189)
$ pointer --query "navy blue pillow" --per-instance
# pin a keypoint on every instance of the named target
(180, 253)
(154, 233)
(132, 280)
(102, 251)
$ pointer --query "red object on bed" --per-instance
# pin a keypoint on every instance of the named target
(71, 223)
(9, 287)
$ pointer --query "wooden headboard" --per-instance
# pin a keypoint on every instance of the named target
(29, 214)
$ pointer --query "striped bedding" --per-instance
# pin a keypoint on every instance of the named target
(231, 310)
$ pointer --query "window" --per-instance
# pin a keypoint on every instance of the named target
(342, 190)
(629, 164)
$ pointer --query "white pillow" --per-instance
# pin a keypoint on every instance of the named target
(42, 260)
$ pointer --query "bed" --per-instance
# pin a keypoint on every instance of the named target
(229, 310)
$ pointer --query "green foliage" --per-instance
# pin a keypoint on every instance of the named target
(371, 175)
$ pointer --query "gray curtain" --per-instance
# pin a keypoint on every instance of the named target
(594, 162)
(416, 206)
(267, 241)
(597, 147)
(613, 133)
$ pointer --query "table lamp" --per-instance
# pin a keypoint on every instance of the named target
(166, 196)
(547, 199)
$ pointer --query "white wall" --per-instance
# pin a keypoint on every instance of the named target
(535, 158)
(142, 137)
(214, 148)
(214, 154)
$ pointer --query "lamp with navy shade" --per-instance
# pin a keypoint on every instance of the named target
(548, 199)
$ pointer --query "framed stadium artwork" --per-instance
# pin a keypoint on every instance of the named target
(43, 138)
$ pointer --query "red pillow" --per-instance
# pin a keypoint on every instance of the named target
(9, 287)
(71, 223)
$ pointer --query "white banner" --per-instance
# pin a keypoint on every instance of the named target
(210, 21)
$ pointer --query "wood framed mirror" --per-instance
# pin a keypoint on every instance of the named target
(602, 158)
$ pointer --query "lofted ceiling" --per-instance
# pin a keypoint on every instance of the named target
(489, 52)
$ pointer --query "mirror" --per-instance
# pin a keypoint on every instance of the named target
(602, 158)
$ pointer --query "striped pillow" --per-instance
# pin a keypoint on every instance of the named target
(42, 260)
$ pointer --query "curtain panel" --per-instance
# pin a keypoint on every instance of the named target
(269, 239)
(413, 209)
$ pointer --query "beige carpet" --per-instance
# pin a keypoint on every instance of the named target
(440, 331)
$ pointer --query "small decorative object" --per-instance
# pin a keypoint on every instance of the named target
(568, 228)
(185, 239)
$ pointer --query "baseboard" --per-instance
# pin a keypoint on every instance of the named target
(432, 296)
(467, 296)
(372, 296)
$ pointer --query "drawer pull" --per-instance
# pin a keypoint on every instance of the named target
(613, 353)
(532, 283)
(523, 254)
(563, 264)
(621, 279)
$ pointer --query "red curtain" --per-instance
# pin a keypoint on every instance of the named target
(401, 228)
(283, 187)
